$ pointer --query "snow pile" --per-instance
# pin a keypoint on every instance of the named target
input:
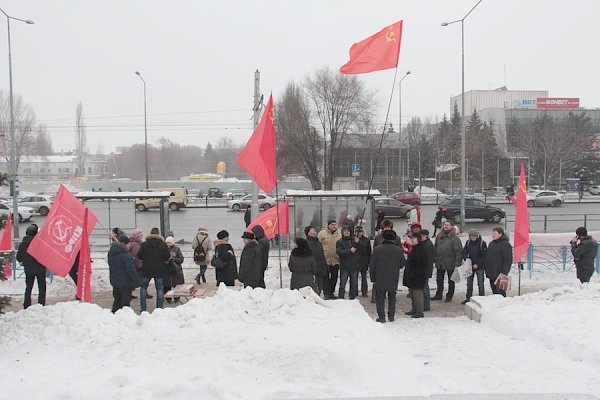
(428, 191)
(240, 344)
(563, 318)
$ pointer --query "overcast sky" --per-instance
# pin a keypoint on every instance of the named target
(198, 58)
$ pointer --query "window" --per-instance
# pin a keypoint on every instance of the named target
(26, 170)
(89, 170)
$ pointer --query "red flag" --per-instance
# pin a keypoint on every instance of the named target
(84, 273)
(6, 241)
(522, 219)
(258, 156)
(58, 241)
(377, 52)
(268, 220)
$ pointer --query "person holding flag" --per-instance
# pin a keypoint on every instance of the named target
(33, 269)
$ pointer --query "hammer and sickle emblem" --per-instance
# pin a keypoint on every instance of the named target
(59, 232)
(521, 189)
(390, 37)
(272, 115)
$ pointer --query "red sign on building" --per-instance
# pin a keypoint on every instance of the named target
(557, 102)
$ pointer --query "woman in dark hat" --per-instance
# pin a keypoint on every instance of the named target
(302, 265)
(251, 272)
(226, 269)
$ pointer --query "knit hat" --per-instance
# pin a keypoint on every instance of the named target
(170, 240)
(307, 229)
(222, 234)
(389, 235)
(331, 221)
(123, 239)
(137, 232)
(473, 232)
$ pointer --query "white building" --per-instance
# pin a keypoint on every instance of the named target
(58, 167)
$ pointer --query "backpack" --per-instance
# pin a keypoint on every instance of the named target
(199, 252)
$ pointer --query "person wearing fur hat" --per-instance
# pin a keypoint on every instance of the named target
(203, 239)
(153, 253)
(224, 251)
(328, 238)
(251, 272)
(448, 255)
(122, 273)
(475, 249)
(384, 270)
(173, 275)
(584, 249)
(317, 250)
(347, 251)
(302, 265)
(33, 268)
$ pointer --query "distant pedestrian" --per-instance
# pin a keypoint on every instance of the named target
(448, 255)
(437, 221)
(498, 259)
(33, 268)
(302, 265)
(584, 249)
(153, 253)
(328, 238)
(384, 270)
(248, 216)
(475, 250)
(227, 273)
(122, 274)
(263, 242)
(173, 275)
(349, 259)
(317, 251)
(363, 249)
(251, 272)
(380, 218)
(202, 245)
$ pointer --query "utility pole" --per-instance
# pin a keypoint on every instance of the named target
(256, 109)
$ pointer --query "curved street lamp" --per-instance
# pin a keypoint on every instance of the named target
(145, 129)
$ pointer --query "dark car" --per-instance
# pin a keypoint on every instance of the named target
(407, 198)
(474, 208)
(392, 207)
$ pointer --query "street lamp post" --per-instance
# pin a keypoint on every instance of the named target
(13, 173)
(400, 130)
(145, 129)
(463, 119)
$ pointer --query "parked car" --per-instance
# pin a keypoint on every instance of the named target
(25, 213)
(474, 208)
(237, 193)
(407, 197)
(177, 200)
(392, 207)
(41, 204)
(545, 198)
(594, 190)
(496, 191)
(264, 202)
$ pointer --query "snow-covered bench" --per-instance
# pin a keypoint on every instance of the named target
(186, 292)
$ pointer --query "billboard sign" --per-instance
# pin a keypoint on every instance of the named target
(563, 103)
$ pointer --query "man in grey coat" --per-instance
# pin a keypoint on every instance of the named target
(584, 249)
(448, 255)
(386, 261)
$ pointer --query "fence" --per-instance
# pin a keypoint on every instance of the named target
(557, 258)
(563, 222)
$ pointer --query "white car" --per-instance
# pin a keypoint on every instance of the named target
(545, 198)
(40, 203)
(594, 189)
(265, 202)
(25, 213)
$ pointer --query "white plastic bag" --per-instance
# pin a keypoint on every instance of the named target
(462, 272)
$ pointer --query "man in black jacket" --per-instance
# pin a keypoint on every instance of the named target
(386, 261)
(317, 250)
(33, 269)
(153, 253)
(415, 274)
(429, 250)
(498, 259)
(584, 249)
(251, 272)
(263, 243)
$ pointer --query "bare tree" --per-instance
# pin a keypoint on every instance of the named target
(24, 122)
(80, 139)
(42, 144)
(226, 143)
(298, 143)
(339, 102)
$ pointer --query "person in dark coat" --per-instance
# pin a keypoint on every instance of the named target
(380, 218)
(33, 269)
(263, 243)
(251, 264)
(386, 261)
(316, 248)
(224, 251)
(415, 274)
(437, 221)
(173, 275)
(429, 250)
(363, 249)
(498, 259)
(153, 253)
(584, 249)
(122, 273)
(346, 250)
(386, 225)
(248, 216)
(475, 249)
(302, 265)
(448, 255)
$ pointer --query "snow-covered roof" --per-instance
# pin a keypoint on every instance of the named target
(122, 195)
(332, 193)
(51, 159)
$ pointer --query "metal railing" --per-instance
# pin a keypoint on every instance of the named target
(555, 258)
(543, 223)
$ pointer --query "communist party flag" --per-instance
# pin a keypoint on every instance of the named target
(258, 157)
(6, 245)
(84, 272)
(58, 241)
(522, 219)
(377, 52)
(269, 221)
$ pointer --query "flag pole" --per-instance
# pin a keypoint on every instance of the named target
(278, 235)
(374, 168)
